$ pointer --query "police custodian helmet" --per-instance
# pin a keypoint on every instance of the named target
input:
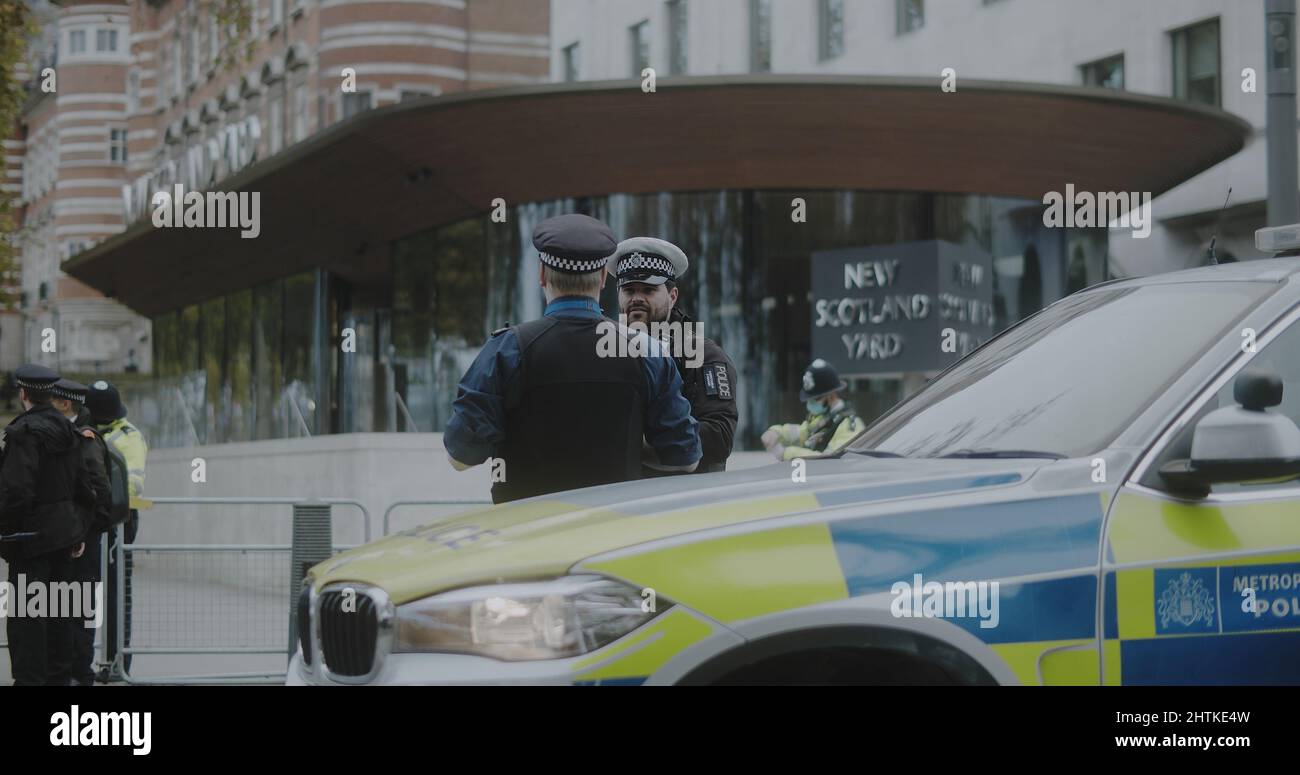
(104, 403)
(820, 379)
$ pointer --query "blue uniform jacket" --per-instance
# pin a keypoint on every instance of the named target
(478, 421)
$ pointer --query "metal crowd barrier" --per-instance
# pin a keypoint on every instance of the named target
(215, 599)
(192, 614)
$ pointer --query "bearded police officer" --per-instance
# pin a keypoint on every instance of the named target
(831, 421)
(41, 520)
(647, 270)
(552, 408)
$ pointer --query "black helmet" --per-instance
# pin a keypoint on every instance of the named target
(820, 379)
(104, 403)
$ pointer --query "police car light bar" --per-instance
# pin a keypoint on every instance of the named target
(1278, 238)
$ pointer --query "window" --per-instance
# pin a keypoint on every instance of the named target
(164, 82)
(117, 145)
(1107, 73)
(640, 36)
(1282, 359)
(911, 15)
(77, 42)
(275, 122)
(178, 75)
(133, 92)
(106, 40)
(830, 25)
(677, 26)
(192, 54)
(572, 62)
(1045, 384)
(1196, 63)
(214, 39)
(760, 36)
(300, 113)
(355, 102)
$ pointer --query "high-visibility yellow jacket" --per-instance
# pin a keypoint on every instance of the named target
(819, 432)
(127, 440)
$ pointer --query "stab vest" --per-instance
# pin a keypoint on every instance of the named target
(573, 418)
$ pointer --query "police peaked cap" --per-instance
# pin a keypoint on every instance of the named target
(573, 243)
(648, 260)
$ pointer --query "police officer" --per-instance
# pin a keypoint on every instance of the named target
(549, 404)
(69, 399)
(43, 482)
(830, 424)
(647, 270)
(108, 414)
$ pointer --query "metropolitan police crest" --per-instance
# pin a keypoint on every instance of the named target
(1186, 601)
(807, 380)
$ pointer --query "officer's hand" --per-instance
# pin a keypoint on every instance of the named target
(769, 438)
(88, 433)
(80, 550)
(778, 451)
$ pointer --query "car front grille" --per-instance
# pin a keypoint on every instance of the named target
(304, 624)
(349, 632)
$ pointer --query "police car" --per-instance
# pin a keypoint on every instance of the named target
(1106, 493)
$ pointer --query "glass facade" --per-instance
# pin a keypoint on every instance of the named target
(748, 284)
(244, 367)
(234, 368)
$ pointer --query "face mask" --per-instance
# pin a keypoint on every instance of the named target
(816, 407)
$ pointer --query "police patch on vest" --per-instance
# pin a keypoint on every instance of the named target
(716, 381)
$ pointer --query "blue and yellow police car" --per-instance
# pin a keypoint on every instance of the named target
(1106, 493)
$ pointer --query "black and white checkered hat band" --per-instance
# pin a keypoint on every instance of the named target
(68, 394)
(573, 265)
(37, 385)
(648, 261)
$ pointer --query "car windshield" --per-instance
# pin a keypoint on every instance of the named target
(1067, 381)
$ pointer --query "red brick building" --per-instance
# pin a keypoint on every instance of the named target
(143, 98)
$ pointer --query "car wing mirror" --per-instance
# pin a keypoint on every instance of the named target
(1242, 443)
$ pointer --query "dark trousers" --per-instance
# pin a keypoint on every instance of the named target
(86, 569)
(129, 529)
(40, 647)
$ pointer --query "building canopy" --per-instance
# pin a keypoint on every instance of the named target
(337, 199)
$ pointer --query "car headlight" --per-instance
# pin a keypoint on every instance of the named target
(538, 620)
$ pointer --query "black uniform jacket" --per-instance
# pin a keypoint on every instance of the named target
(711, 389)
(43, 485)
(94, 455)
